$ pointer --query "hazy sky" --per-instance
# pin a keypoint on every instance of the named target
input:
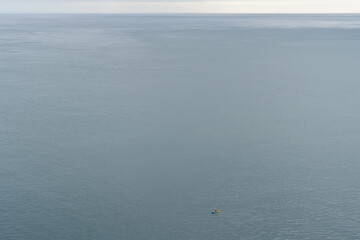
(180, 6)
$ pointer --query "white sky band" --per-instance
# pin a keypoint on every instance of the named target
(241, 6)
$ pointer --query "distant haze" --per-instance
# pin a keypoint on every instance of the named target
(180, 6)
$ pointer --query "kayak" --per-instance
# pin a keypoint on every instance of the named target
(215, 211)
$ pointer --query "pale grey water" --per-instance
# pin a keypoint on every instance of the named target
(136, 127)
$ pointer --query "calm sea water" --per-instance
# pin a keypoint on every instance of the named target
(136, 127)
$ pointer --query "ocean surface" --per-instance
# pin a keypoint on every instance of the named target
(138, 126)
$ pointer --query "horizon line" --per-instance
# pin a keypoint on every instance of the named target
(184, 13)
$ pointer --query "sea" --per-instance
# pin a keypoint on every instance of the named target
(136, 127)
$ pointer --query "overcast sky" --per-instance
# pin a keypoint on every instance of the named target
(180, 6)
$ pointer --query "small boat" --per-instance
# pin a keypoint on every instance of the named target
(215, 211)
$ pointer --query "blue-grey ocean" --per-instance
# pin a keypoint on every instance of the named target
(138, 126)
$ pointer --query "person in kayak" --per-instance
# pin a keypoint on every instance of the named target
(215, 211)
